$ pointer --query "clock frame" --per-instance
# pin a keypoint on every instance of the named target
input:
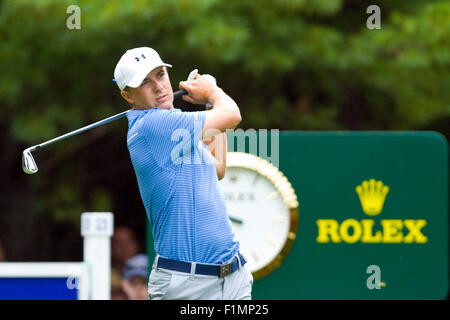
(287, 193)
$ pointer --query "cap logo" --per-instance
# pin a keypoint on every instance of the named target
(137, 58)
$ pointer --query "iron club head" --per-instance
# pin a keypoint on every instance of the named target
(28, 164)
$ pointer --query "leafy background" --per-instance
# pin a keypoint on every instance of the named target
(290, 64)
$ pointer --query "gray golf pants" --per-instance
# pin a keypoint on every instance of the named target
(173, 285)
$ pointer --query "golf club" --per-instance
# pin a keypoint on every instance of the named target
(29, 165)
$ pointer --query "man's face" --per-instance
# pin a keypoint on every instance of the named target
(123, 245)
(155, 91)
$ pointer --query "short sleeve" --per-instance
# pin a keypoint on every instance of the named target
(172, 134)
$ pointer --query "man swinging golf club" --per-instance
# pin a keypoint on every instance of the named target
(197, 254)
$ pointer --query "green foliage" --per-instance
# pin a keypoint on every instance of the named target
(409, 61)
(290, 64)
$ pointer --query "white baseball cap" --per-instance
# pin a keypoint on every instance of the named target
(135, 65)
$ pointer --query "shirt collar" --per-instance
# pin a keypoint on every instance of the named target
(134, 114)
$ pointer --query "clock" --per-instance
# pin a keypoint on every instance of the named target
(263, 209)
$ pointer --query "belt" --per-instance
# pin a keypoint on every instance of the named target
(220, 271)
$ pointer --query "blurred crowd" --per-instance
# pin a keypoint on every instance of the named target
(2, 252)
(129, 267)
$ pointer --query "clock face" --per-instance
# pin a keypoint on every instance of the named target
(258, 214)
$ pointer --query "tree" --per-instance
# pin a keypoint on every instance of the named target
(290, 64)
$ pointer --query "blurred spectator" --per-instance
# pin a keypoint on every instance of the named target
(134, 280)
(2, 252)
(116, 288)
(124, 246)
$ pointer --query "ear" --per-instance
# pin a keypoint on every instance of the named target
(127, 96)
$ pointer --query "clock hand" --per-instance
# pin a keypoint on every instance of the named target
(235, 220)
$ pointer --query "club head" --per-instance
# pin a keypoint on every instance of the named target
(28, 164)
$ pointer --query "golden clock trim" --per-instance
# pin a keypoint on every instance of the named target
(284, 187)
(269, 171)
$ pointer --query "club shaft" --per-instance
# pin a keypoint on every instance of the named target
(91, 126)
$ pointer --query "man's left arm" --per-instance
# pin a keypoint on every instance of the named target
(217, 145)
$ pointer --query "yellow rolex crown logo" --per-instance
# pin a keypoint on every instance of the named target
(372, 194)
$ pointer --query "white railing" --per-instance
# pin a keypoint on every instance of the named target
(90, 278)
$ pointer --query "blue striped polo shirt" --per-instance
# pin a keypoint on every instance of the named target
(178, 185)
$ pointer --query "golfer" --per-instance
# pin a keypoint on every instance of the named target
(197, 253)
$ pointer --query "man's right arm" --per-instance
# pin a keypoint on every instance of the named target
(225, 113)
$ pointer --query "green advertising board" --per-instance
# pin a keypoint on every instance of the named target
(372, 214)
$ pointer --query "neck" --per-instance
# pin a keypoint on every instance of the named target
(136, 107)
